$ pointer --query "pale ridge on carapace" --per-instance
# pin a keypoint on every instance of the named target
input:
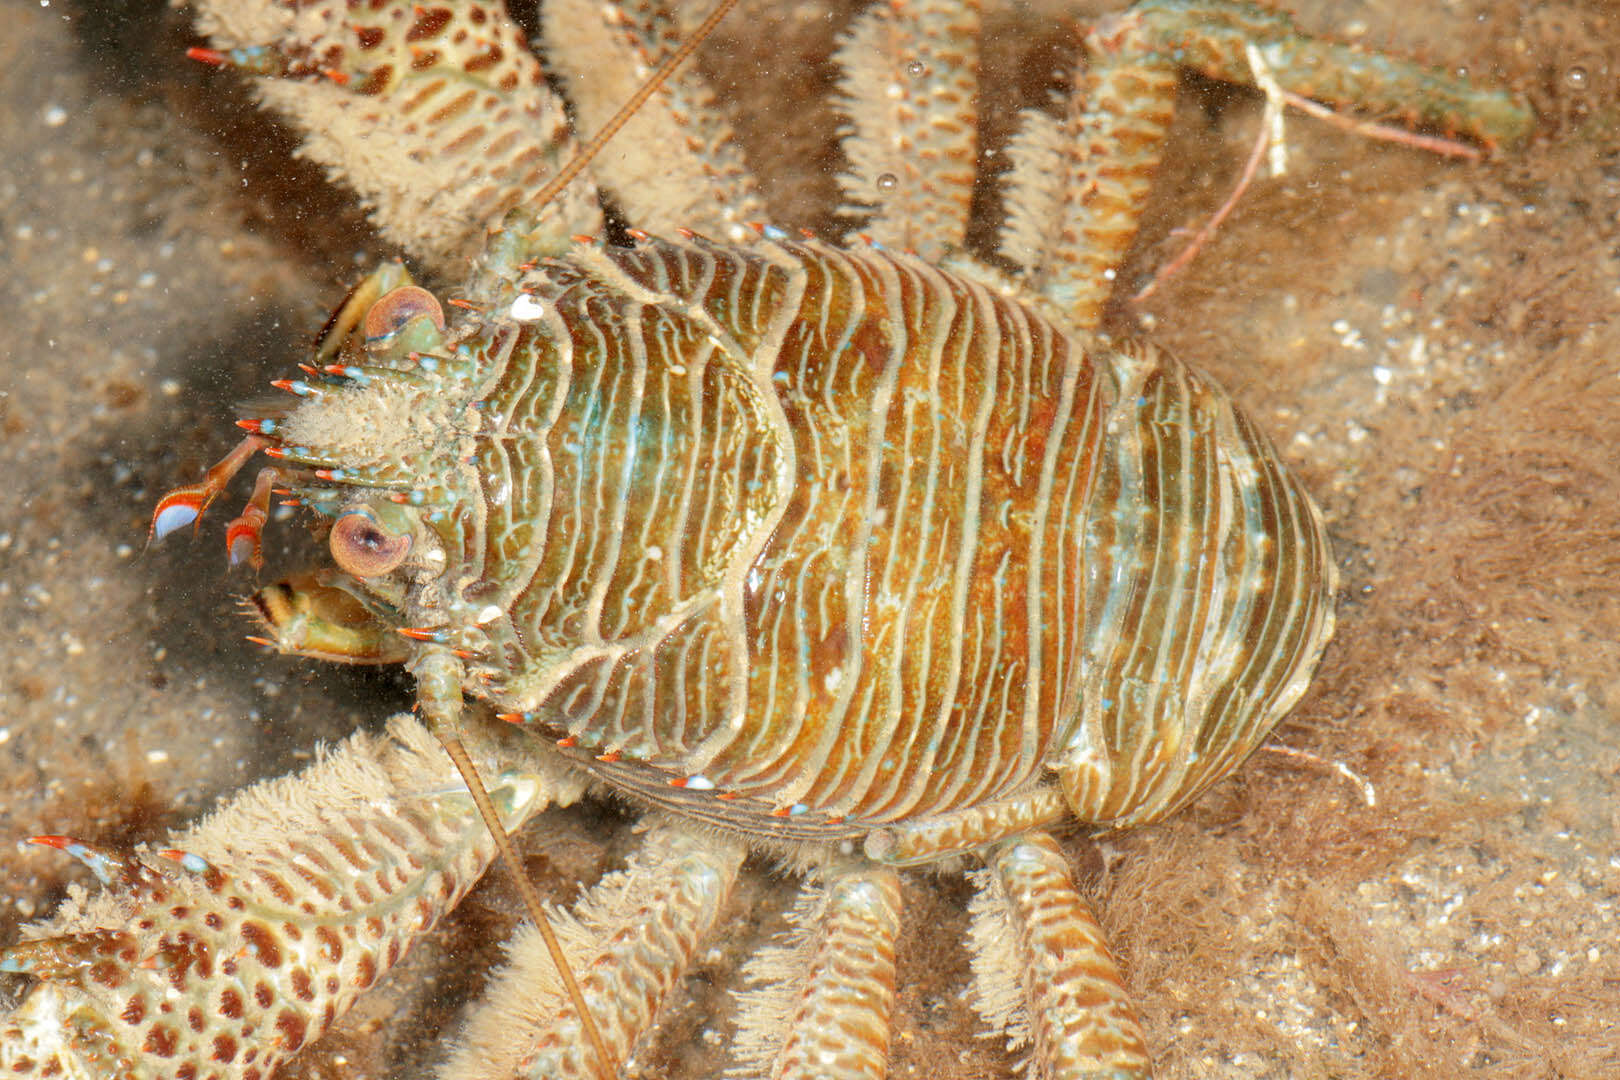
(849, 533)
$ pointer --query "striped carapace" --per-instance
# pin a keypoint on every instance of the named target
(807, 541)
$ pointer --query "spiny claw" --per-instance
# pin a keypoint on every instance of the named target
(196, 865)
(255, 60)
(107, 865)
(211, 57)
(110, 867)
(303, 616)
(62, 959)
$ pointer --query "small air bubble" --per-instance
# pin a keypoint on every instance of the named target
(1577, 78)
(888, 182)
(916, 69)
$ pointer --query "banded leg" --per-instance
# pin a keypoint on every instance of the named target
(909, 87)
(1042, 970)
(225, 956)
(438, 116)
(823, 1003)
(1078, 184)
(1213, 37)
(677, 163)
(630, 940)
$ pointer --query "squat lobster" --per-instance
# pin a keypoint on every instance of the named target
(870, 558)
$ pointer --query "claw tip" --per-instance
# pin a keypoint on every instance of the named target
(172, 515)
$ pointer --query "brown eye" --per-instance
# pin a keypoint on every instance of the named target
(388, 315)
(364, 548)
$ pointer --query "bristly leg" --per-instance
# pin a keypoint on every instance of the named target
(1211, 36)
(910, 88)
(1078, 185)
(630, 938)
(441, 119)
(676, 161)
(264, 924)
(1042, 970)
(821, 1003)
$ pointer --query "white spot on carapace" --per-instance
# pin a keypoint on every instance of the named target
(527, 308)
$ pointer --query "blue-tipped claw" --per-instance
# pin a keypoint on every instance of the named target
(173, 515)
(37, 958)
(191, 864)
(65, 959)
(242, 550)
(107, 866)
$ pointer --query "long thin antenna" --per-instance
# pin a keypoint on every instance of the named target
(451, 742)
(666, 70)
(531, 897)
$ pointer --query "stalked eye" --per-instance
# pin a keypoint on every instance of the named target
(364, 548)
(391, 313)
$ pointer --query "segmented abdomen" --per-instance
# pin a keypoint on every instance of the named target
(862, 538)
